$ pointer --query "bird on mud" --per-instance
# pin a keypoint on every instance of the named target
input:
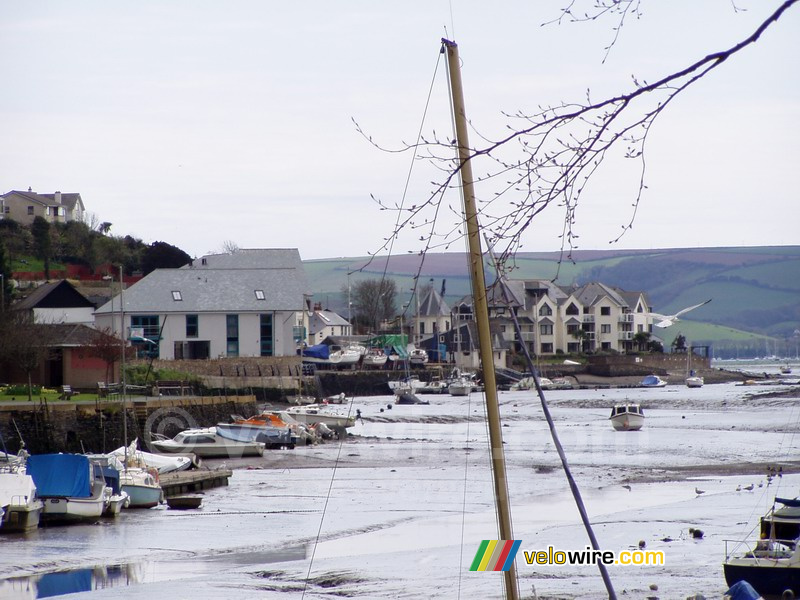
(698, 491)
(667, 320)
(749, 488)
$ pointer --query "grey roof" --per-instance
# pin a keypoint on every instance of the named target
(328, 318)
(69, 199)
(34, 197)
(214, 290)
(433, 305)
(254, 258)
(591, 293)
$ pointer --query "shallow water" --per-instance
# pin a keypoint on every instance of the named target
(398, 510)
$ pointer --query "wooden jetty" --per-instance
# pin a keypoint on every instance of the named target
(196, 480)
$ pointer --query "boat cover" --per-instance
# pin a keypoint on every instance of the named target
(64, 475)
(320, 351)
(794, 502)
(111, 476)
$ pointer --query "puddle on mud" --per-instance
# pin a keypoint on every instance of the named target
(59, 583)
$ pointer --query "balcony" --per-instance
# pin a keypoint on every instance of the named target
(626, 335)
(588, 318)
(626, 318)
(527, 336)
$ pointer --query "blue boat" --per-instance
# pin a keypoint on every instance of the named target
(653, 381)
(71, 486)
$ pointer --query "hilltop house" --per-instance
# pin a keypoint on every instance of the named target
(24, 207)
(247, 303)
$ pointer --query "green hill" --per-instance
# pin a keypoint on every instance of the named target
(755, 291)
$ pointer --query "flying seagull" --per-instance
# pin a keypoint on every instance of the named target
(667, 320)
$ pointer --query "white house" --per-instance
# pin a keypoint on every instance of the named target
(248, 303)
(326, 323)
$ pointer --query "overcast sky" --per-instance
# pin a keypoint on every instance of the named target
(198, 122)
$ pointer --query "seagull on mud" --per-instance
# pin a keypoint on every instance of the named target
(667, 320)
(698, 491)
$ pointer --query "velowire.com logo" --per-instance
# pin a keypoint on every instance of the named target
(495, 555)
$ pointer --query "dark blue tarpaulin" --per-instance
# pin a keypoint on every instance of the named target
(63, 475)
(111, 475)
(320, 351)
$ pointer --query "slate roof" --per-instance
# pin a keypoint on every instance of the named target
(328, 318)
(54, 294)
(214, 290)
(34, 197)
(69, 200)
(433, 305)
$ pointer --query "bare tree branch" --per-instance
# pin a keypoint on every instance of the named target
(549, 156)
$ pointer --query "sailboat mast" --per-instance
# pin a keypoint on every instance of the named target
(481, 312)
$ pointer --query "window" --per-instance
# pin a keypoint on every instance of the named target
(503, 328)
(148, 327)
(176, 295)
(232, 335)
(605, 311)
(422, 328)
(266, 335)
(545, 311)
(191, 326)
(572, 310)
(605, 328)
(547, 348)
(30, 210)
(546, 329)
(572, 328)
(259, 294)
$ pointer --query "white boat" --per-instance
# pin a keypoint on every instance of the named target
(434, 386)
(374, 357)
(461, 386)
(206, 443)
(22, 508)
(559, 383)
(71, 487)
(411, 382)
(142, 486)
(112, 467)
(694, 381)
(653, 381)
(317, 413)
(348, 355)
(627, 417)
(770, 566)
(418, 357)
(159, 462)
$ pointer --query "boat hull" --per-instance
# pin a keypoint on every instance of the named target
(458, 389)
(72, 509)
(767, 580)
(627, 422)
(694, 382)
(21, 518)
(143, 496)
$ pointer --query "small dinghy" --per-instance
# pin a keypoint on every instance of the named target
(186, 502)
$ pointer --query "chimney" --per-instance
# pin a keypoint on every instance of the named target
(29, 189)
(57, 197)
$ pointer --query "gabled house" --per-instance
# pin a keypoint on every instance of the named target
(326, 323)
(248, 303)
(433, 317)
(57, 302)
(24, 207)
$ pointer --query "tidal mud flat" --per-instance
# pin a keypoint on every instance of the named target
(399, 508)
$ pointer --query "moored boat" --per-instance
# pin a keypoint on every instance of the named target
(460, 387)
(770, 566)
(374, 357)
(317, 413)
(652, 381)
(207, 443)
(22, 508)
(418, 357)
(694, 381)
(627, 417)
(267, 429)
(142, 486)
(71, 487)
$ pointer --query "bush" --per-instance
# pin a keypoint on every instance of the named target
(22, 390)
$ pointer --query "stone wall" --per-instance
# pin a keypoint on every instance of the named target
(99, 427)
